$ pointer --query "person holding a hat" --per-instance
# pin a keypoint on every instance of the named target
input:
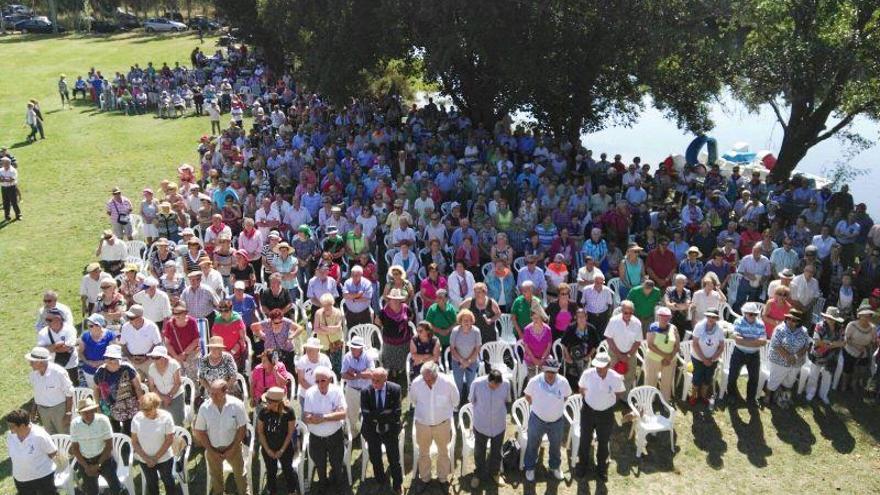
(119, 210)
(276, 432)
(306, 364)
(706, 351)
(805, 290)
(860, 342)
(53, 390)
(59, 337)
(91, 444)
(660, 360)
(218, 364)
(749, 336)
(92, 344)
(32, 454)
(788, 348)
(220, 428)
(152, 433)
(824, 353)
(138, 337)
(112, 253)
(601, 387)
(117, 388)
(546, 394)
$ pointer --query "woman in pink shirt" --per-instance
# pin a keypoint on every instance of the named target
(537, 342)
(431, 285)
(269, 373)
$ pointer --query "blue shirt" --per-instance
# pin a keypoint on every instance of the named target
(94, 351)
(490, 406)
(219, 197)
(693, 271)
(445, 181)
(246, 308)
(749, 331)
(311, 202)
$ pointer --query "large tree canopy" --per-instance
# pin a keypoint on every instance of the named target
(818, 61)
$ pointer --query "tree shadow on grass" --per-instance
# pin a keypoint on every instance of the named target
(792, 429)
(832, 427)
(750, 436)
(708, 438)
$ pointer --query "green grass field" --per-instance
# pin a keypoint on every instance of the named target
(66, 179)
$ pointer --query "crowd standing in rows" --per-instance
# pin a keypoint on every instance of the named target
(329, 260)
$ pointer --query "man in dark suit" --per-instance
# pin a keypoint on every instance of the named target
(380, 406)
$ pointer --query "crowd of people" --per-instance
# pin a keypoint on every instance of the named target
(329, 261)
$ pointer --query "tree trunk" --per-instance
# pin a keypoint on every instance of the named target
(794, 148)
(53, 14)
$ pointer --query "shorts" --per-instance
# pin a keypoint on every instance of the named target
(703, 374)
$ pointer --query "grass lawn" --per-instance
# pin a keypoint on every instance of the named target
(66, 179)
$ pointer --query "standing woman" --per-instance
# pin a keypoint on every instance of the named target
(278, 334)
(631, 270)
(165, 381)
(92, 345)
(276, 431)
(662, 349)
(165, 222)
(485, 310)
(424, 346)
(824, 353)
(464, 345)
(537, 342)
(230, 326)
(678, 299)
(32, 455)
(707, 349)
(152, 433)
(776, 309)
(561, 311)
(148, 210)
(709, 297)
(396, 333)
(859, 338)
(329, 328)
(118, 389)
(33, 120)
(181, 336)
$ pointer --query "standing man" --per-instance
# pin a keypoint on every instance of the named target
(324, 414)
(755, 270)
(624, 334)
(9, 188)
(434, 395)
(489, 396)
(119, 211)
(53, 391)
(356, 370)
(91, 438)
(546, 394)
(138, 337)
(227, 418)
(749, 337)
(601, 387)
(380, 407)
(357, 293)
(59, 337)
(50, 301)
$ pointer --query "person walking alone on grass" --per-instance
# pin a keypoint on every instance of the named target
(64, 91)
(9, 188)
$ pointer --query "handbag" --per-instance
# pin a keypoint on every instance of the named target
(121, 218)
(510, 453)
(61, 358)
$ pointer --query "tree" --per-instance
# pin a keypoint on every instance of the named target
(818, 61)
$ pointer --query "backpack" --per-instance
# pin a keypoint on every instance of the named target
(510, 454)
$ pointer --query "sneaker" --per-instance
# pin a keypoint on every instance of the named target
(557, 473)
(475, 482)
(530, 475)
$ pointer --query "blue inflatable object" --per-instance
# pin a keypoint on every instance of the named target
(739, 156)
(693, 149)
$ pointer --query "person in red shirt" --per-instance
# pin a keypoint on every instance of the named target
(661, 264)
(748, 238)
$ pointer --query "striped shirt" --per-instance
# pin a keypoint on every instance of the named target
(749, 331)
(200, 302)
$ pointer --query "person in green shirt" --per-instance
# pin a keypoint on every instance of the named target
(355, 242)
(522, 307)
(441, 315)
(645, 298)
(334, 243)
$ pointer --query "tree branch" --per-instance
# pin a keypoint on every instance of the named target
(834, 130)
(775, 108)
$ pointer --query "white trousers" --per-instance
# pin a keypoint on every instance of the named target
(782, 375)
(821, 377)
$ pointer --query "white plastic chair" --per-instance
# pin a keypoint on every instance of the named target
(733, 285)
(647, 422)
(724, 368)
(486, 268)
(519, 263)
(181, 459)
(372, 336)
(727, 313)
(79, 393)
(137, 226)
(558, 351)
(764, 374)
(365, 457)
(299, 458)
(346, 456)
(450, 449)
(419, 306)
(124, 463)
(468, 440)
(572, 414)
(494, 353)
(504, 328)
(685, 374)
(189, 398)
(614, 285)
(247, 450)
(520, 412)
(137, 249)
(64, 476)
(243, 385)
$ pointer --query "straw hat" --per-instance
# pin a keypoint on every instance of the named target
(275, 394)
(86, 405)
(312, 343)
(216, 342)
(602, 360)
(396, 295)
(833, 313)
(281, 245)
(38, 355)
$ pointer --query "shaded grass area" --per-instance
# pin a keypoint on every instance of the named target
(67, 178)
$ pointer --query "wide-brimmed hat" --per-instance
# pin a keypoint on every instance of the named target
(113, 351)
(86, 405)
(312, 343)
(396, 268)
(786, 273)
(695, 249)
(159, 351)
(38, 355)
(396, 295)
(750, 308)
(356, 342)
(712, 312)
(794, 314)
(551, 365)
(92, 267)
(274, 394)
(216, 342)
(281, 245)
(602, 360)
(865, 309)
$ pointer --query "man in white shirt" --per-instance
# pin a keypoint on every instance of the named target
(9, 188)
(138, 336)
(823, 242)
(266, 218)
(112, 253)
(601, 387)
(32, 453)
(53, 391)
(434, 396)
(90, 287)
(357, 371)
(59, 337)
(546, 394)
(460, 284)
(805, 290)
(50, 300)
(227, 418)
(598, 300)
(587, 273)
(157, 306)
(755, 270)
(324, 413)
(624, 334)
(91, 438)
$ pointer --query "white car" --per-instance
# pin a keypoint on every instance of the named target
(160, 24)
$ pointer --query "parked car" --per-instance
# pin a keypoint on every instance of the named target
(127, 20)
(37, 25)
(204, 23)
(12, 19)
(17, 9)
(161, 24)
(103, 26)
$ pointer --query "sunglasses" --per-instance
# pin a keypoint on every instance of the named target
(322, 380)
(179, 313)
(47, 301)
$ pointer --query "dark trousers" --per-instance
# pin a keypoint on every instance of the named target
(10, 200)
(40, 486)
(286, 468)
(487, 467)
(323, 448)
(390, 441)
(352, 319)
(152, 475)
(752, 362)
(258, 269)
(121, 426)
(89, 484)
(601, 422)
(598, 320)
(746, 292)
